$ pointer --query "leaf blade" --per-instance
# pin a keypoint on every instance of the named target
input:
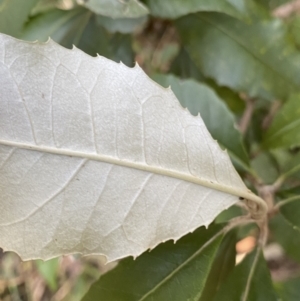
(179, 8)
(133, 164)
(262, 48)
(117, 9)
(238, 285)
(177, 264)
(13, 15)
(285, 128)
(217, 117)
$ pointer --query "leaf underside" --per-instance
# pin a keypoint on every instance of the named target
(95, 158)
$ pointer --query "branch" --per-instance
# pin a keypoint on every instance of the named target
(247, 115)
(269, 117)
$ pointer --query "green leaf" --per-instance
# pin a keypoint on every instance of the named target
(292, 167)
(217, 117)
(170, 272)
(223, 264)
(48, 269)
(13, 15)
(289, 290)
(291, 211)
(43, 6)
(288, 162)
(272, 4)
(286, 235)
(122, 25)
(64, 27)
(177, 8)
(265, 167)
(294, 26)
(116, 8)
(227, 214)
(285, 128)
(79, 27)
(184, 67)
(257, 57)
(242, 285)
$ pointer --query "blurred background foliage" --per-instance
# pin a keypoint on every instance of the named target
(235, 61)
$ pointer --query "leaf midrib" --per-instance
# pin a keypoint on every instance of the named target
(135, 165)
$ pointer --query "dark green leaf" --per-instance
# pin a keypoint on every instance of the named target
(184, 67)
(292, 166)
(64, 27)
(216, 116)
(285, 128)
(295, 29)
(223, 264)
(177, 8)
(123, 25)
(289, 290)
(255, 57)
(288, 237)
(79, 27)
(228, 214)
(272, 4)
(289, 164)
(174, 272)
(116, 8)
(14, 14)
(241, 280)
(120, 49)
(291, 212)
(265, 167)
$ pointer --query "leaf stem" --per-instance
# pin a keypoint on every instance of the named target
(251, 274)
(282, 178)
(286, 201)
(261, 243)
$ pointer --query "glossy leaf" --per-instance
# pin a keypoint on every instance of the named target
(14, 14)
(256, 57)
(177, 8)
(123, 25)
(292, 167)
(223, 264)
(218, 119)
(265, 167)
(117, 9)
(170, 272)
(289, 290)
(242, 285)
(184, 67)
(100, 157)
(81, 28)
(285, 128)
(286, 235)
(291, 211)
(64, 27)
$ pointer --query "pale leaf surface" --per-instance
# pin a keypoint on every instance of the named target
(96, 158)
